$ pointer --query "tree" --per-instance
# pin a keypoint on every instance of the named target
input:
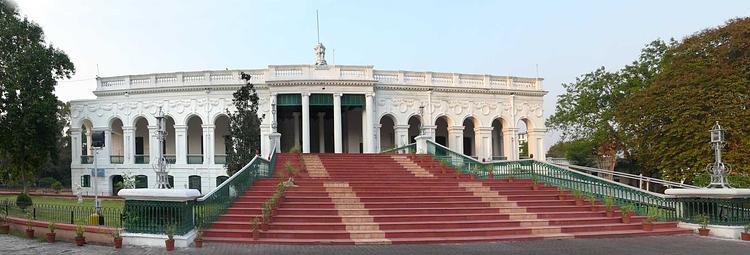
(578, 152)
(244, 127)
(706, 79)
(59, 167)
(28, 107)
(587, 109)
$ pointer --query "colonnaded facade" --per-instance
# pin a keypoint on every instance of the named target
(320, 108)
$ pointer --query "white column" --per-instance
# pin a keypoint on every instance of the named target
(369, 108)
(376, 139)
(429, 131)
(265, 139)
(402, 135)
(208, 144)
(75, 138)
(321, 132)
(537, 135)
(296, 129)
(510, 143)
(181, 142)
(271, 113)
(456, 138)
(128, 134)
(153, 148)
(306, 122)
(483, 141)
(337, 140)
(107, 152)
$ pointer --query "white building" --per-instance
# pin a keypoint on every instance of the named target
(322, 108)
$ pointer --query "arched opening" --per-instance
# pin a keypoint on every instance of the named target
(387, 133)
(194, 182)
(117, 148)
(221, 179)
(469, 141)
(441, 130)
(87, 153)
(523, 139)
(415, 123)
(221, 136)
(194, 140)
(117, 184)
(170, 180)
(169, 148)
(498, 142)
(141, 141)
(141, 182)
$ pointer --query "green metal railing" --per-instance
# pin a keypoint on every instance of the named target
(87, 159)
(152, 217)
(213, 204)
(141, 159)
(171, 158)
(71, 214)
(195, 158)
(220, 159)
(719, 211)
(116, 159)
(405, 149)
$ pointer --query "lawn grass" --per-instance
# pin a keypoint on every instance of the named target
(65, 209)
(69, 201)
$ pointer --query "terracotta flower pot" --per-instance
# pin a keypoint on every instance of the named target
(80, 240)
(593, 208)
(534, 187)
(579, 202)
(50, 237)
(30, 233)
(648, 226)
(264, 226)
(745, 236)
(170, 244)
(510, 179)
(626, 219)
(4, 228)
(198, 243)
(561, 197)
(703, 231)
(118, 242)
(490, 175)
(609, 213)
(256, 235)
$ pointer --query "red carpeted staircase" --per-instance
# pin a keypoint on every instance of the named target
(394, 199)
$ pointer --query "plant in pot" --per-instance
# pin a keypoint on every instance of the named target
(255, 228)
(51, 235)
(703, 221)
(648, 222)
(80, 239)
(458, 173)
(490, 174)
(443, 166)
(29, 225)
(199, 232)
(57, 186)
(578, 196)
(745, 236)
(170, 229)
(534, 184)
(592, 199)
(609, 203)
(625, 211)
(561, 195)
(117, 238)
(4, 226)
(266, 212)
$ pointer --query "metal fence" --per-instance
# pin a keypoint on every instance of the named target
(71, 214)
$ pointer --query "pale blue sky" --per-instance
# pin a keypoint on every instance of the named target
(565, 38)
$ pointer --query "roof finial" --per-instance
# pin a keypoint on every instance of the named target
(320, 50)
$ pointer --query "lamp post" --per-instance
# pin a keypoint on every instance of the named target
(718, 169)
(273, 114)
(421, 119)
(162, 177)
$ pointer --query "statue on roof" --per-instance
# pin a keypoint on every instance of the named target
(320, 55)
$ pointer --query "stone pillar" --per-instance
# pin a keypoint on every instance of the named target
(306, 122)
(536, 141)
(376, 140)
(337, 140)
(402, 135)
(107, 152)
(76, 143)
(321, 132)
(429, 130)
(153, 147)
(272, 113)
(369, 108)
(265, 139)
(181, 144)
(510, 143)
(296, 129)
(208, 144)
(483, 141)
(275, 141)
(421, 141)
(128, 147)
(456, 138)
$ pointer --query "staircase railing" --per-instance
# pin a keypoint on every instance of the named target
(643, 182)
(210, 206)
(404, 149)
(720, 211)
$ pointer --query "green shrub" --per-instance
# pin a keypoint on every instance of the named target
(57, 186)
(45, 182)
(23, 201)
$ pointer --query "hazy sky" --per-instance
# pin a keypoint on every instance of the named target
(564, 38)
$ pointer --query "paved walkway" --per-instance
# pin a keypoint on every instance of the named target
(678, 245)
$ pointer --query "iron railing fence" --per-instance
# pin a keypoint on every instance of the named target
(71, 214)
(404, 149)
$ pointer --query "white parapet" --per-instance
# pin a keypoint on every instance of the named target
(170, 195)
(709, 193)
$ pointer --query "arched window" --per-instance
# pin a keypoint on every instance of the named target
(221, 179)
(170, 180)
(141, 182)
(194, 182)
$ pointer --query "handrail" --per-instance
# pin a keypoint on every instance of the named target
(231, 178)
(631, 176)
(412, 147)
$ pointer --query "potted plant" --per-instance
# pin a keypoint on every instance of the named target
(648, 222)
(592, 199)
(609, 202)
(266, 212)
(458, 173)
(490, 174)
(30, 225)
(534, 184)
(745, 236)
(117, 238)
(51, 235)
(703, 222)
(170, 229)
(443, 166)
(578, 196)
(198, 238)
(254, 225)
(80, 239)
(4, 226)
(625, 210)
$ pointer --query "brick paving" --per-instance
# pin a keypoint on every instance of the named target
(678, 245)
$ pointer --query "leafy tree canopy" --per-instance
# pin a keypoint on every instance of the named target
(244, 127)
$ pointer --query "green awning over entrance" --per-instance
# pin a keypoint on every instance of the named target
(289, 100)
(353, 100)
(321, 100)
